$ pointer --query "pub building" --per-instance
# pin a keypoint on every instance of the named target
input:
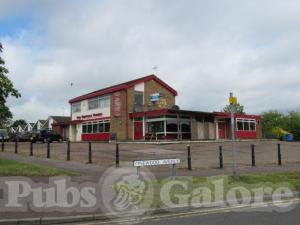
(145, 109)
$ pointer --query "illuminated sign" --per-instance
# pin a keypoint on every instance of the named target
(155, 97)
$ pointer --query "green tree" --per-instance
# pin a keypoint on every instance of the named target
(238, 108)
(21, 122)
(292, 124)
(271, 120)
(6, 89)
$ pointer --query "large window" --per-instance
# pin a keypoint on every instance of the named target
(96, 127)
(76, 107)
(154, 127)
(172, 126)
(246, 124)
(186, 127)
(104, 102)
(101, 102)
(93, 103)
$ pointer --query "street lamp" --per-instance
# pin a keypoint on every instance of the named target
(233, 102)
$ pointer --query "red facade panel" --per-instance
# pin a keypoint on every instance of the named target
(95, 137)
(246, 134)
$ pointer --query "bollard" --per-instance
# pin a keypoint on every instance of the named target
(48, 149)
(31, 149)
(117, 156)
(16, 146)
(68, 151)
(189, 158)
(2, 143)
(90, 152)
(221, 156)
(279, 155)
(253, 155)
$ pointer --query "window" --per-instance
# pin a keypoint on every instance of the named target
(93, 103)
(138, 101)
(95, 127)
(106, 127)
(76, 107)
(252, 125)
(84, 128)
(154, 127)
(240, 125)
(185, 127)
(104, 102)
(246, 125)
(172, 126)
(100, 127)
(139, 98)
(89, 128)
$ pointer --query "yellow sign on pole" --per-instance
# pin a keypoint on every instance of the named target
(233, 100)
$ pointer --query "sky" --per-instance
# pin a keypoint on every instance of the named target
(203, 49)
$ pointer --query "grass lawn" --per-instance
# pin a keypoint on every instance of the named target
(248, 181)
(14, 168)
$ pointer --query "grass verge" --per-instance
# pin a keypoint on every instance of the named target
(197, 189)
(14, 168)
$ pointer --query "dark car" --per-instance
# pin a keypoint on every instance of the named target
(23, 136)
(45, 136)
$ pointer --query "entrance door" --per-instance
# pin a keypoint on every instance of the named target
(221, 130)
(138, 130)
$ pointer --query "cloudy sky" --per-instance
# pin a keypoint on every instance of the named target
(204, 49)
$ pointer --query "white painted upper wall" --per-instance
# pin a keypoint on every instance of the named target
(140, 87)
(86, 111)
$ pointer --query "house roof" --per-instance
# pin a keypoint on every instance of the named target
(61, 119)
(123, 86)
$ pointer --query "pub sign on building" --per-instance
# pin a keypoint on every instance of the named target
(145, 109)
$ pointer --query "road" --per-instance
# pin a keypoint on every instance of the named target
(244, 216)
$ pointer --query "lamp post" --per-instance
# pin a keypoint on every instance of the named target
(233, 102)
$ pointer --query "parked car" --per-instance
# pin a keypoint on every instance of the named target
(4, 135)
(45, 136)
(23, 136)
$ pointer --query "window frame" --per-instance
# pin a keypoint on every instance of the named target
(78, 105)
(246, 122)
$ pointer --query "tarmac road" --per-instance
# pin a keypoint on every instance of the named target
(238, 216)
(235, 218)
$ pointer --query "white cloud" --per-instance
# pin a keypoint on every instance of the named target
(203, 49)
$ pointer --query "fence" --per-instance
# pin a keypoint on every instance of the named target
(206, 155)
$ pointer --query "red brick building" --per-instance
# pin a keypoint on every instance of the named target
(144, 109)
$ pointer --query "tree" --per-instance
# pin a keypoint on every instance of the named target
(6, 89)
(19, 122)
(238, 108)
(272, 119)
(292, 124)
